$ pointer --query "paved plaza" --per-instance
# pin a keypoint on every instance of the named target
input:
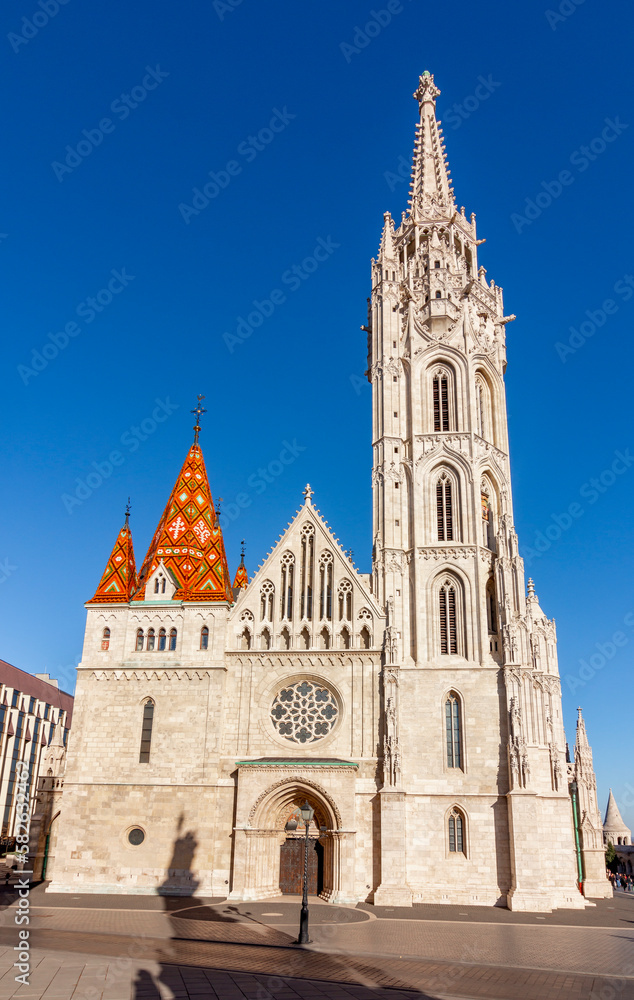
(134, 947)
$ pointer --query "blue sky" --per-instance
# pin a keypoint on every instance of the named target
(101, 210)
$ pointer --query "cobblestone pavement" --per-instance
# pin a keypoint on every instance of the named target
(194, 948)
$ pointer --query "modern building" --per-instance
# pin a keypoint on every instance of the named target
(417, 708)
(33, 714)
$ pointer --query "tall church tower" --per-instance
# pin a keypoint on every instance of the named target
(478, 731)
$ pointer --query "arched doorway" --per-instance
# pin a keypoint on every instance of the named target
(269, 850)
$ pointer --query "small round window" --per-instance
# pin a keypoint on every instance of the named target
(136, 836)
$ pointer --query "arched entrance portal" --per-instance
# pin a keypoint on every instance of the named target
(269, 850)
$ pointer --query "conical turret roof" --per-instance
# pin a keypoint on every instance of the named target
(119, 577)
(189, 540)
(614, 822)
(241, 578)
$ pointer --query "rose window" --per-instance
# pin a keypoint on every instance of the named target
(304, 712)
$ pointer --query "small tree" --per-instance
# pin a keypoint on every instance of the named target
(611, 860)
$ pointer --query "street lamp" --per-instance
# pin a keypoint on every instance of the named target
(307, 814)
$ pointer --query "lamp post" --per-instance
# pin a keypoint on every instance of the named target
(307, 814)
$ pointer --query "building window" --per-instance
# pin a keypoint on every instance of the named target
(444, 508)
(492, 612)
(136, 837)
(286, 596)
(172, 639)
(47, 711)
(14, 698)
(105, 638)
(204, 637)
(139, 642)
(441, 391)
(151, 639)
(453, 731)
(146, 732)
(448, 621)
(162, 639)
(456, 832)
(345, 601)
(304, 712)
(484, 419)
(267, 594)
(156, 585)
(31, 705)
(325, 586)
(307, 572)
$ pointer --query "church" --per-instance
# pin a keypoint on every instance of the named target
(416, 708)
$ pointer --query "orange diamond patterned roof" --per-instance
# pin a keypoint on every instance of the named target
(118, 582)
(242, 577)
(189, 540)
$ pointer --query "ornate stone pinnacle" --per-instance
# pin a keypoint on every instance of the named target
(426, 91)
(307, 493)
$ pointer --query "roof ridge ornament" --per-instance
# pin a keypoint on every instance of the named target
(200, 409)
(308, 493)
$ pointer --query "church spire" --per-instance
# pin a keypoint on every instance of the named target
(581, 742)
(188, 539)
(119, 577)
(242, 577)
(431, 192)
(613, 819)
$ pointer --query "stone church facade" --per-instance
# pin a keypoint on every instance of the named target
(417, 708)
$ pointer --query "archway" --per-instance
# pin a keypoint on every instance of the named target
(269, 854)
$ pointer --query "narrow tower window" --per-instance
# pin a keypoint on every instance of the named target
(444, 509)
(440, 391)
(146, 732)
(105, 639)
(448, 624)
(172, 638)
(151, 638)
(453, 731)
(204, 637)
(162, 639)
(139, 639)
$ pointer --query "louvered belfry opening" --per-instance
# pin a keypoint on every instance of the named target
(441, 403)
(146, 732)
(444, 509)
(448, 625)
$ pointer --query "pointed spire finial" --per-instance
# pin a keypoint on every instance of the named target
(531, 587)
(127, 513)
(426, 90)
(242, 549)
(218, 510)
(307, 494)
(198, 413)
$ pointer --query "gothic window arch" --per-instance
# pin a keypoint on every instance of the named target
(285, 639)
(325, 585)
(304, 639)
(105, 638)
(456, 832)
(484, 425)
(204, 637)
(344, 600)
(139, 640)
(449, 601)
(267, 595)
(492, 608)
(324, 638)
(162, 638)
(344, 638)
(365, 638)
(173, 636)
(151, 639)
(453, 730)
(245, 639)
(146, 731)
(446, 500)
(307, 569)
(265, 639)
(443, 398)
(488, 513)
(286, 590)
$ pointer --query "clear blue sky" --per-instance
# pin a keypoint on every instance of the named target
(202, 80)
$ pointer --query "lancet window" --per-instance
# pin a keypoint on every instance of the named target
(456, 832)
(204, 637)
(267, 594)
(307, 571)
(162, 638)
(453, 730)
(448, 606)
(172, 639)
(444, 508)
(286, 594)
(442, 399)
(325, 585)
(146, 732)
(139, 639)
(344, 597)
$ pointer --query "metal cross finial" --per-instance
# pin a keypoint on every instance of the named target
(242, 549)
(200, 409)
(307, 493)
(127, 512)
(218, 510)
